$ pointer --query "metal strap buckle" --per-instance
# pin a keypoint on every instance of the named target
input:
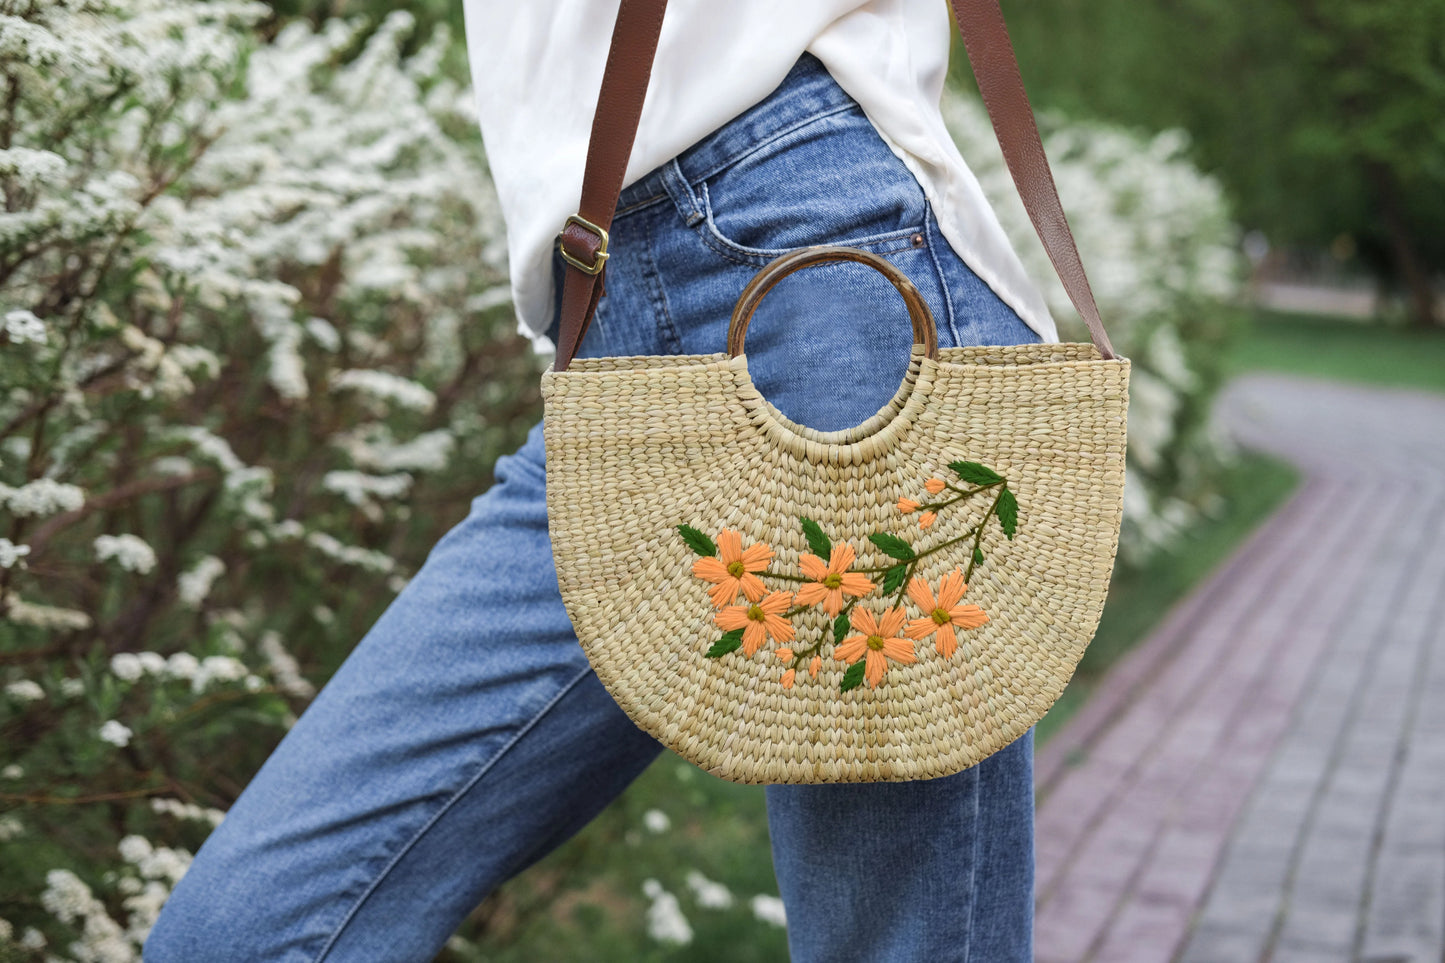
(596, 266)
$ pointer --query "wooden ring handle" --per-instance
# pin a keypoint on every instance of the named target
(925, 331)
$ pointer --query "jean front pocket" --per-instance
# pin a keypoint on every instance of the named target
(832, 180)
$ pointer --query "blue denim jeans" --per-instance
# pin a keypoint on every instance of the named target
(466, 736)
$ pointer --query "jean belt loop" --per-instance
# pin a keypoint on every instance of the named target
(677, 187)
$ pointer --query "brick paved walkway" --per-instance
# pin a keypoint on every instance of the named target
(1263, 779)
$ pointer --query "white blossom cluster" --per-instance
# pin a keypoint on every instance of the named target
(284, 667)
(194, 584)
(220, 176)
(130, 552)
(665, 920)
(188, 811)
(12, 554)
(1157, 239)
(43, 496)
(150, 873)
(39, 615)
(116, 733)
(202, 673)
(25, 690)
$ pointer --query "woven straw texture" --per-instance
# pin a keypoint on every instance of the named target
(637, 446)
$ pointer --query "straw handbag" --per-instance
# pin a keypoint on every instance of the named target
(893, 601)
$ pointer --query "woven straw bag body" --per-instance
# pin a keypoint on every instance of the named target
(637, 447)
(897, 600)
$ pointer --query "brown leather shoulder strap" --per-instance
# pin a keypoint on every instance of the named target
(614, 127)
(619, 108)
(996, 68)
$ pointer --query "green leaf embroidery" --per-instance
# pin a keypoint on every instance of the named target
(840, 628)
(697, 541)
(817, 541)
(726, 644)
(894, 577)
(1008, 512)
(975, 474)
(854, 676)
(977, 555)
(892, 546)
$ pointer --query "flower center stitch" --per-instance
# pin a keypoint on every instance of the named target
(834, 580)
(737, 569)
(941, 616)
(756, 613)
(875, 642)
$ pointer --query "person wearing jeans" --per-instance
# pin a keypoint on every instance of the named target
(466, 736)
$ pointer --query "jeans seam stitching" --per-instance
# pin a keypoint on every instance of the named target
(638, 205)
(666, 328)
(463, 790)
(930, 234)
(772, 138)
(972, 874)
(753, 256)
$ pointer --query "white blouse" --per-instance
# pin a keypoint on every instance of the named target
(537, 67)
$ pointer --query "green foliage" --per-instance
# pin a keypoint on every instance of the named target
(1321, 117)
(975, 474)
(818, 541)
(729, 642)
(697, 541)
(1007, 510)
(854, 676)
(894, 577)
(892, 545)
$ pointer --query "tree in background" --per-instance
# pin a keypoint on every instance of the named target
(1321, 117)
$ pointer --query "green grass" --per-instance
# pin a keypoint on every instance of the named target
(1140, 596)
(1345, 350)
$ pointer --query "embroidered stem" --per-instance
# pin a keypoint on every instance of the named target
(799, 655)
(929, 551)
(962, 494)
(907, 576)
(978, 536)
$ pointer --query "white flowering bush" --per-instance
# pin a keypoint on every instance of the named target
(256, 355)
(1162, 254)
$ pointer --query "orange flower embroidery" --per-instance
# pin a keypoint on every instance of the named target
(945, 615)
(907, 506)
(731, 570)
(830, 582)
(759, 620)
(935, 485)
(785, 654)
(815, 665)
(879, 641)
(927, 519)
